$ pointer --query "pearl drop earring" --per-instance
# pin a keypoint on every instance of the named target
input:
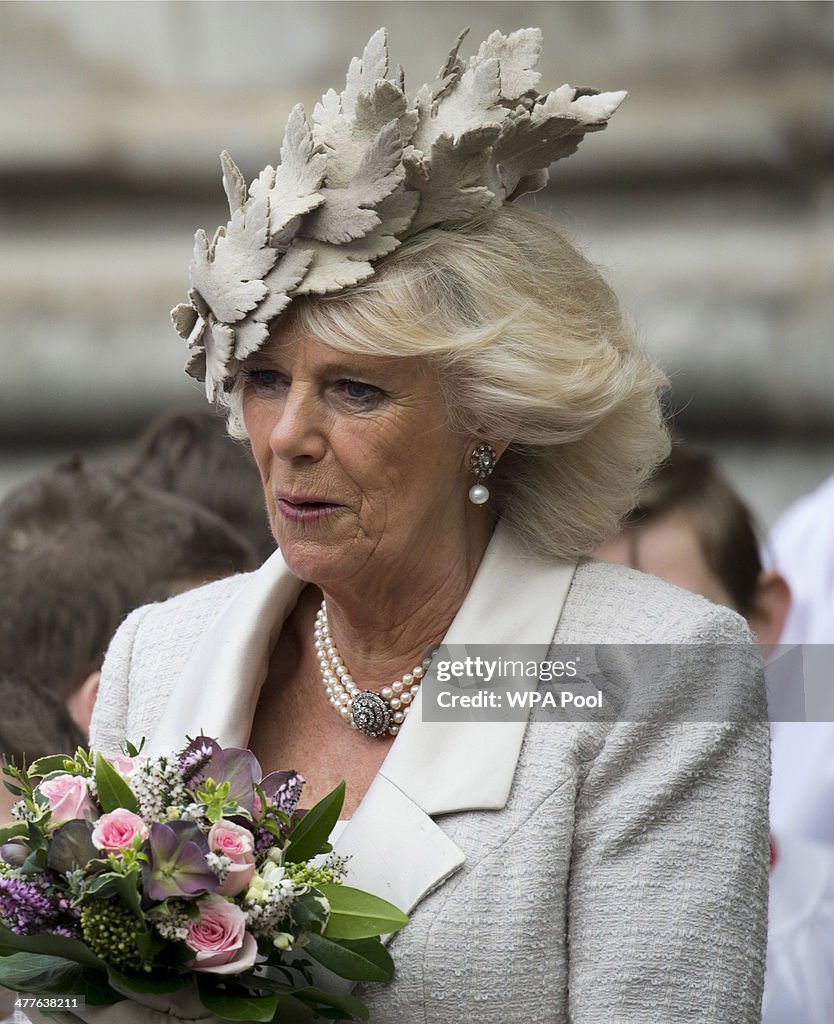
(481, 463)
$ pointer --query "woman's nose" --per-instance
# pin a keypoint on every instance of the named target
(299, 429)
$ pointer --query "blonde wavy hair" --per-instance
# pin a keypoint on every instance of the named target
(531, 344)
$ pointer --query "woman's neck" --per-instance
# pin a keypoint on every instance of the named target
(384, 626)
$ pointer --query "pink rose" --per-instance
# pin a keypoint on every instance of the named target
(115, 831)
(236, 843)
(69, 797)
(219, 939)
(126, 765)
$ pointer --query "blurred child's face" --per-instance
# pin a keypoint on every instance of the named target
(668, 548)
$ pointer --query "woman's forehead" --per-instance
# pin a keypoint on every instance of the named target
(296, 345)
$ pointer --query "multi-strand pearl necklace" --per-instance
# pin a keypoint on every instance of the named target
(374, 714)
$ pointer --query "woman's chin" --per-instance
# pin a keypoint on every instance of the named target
(312, 562)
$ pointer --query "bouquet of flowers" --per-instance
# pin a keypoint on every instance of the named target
(182, 880)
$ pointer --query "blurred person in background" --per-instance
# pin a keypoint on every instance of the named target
(80, 547)
(190, 453)
(692, 529)
(801, 546)
(33, 723)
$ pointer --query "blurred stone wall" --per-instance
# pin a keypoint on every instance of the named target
(709, 199)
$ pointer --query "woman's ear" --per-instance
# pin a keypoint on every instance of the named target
(771, 604)
(501, 446)
(80, 703)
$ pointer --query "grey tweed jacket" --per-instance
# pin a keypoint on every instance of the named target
(593, 873)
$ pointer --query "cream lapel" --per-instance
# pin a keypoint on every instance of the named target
(219, 689)
(397, 851)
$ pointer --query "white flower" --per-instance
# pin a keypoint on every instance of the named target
(268, 900)
(158, 786)
(272, 873)
(219, 864)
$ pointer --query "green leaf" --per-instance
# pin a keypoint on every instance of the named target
(36, 837)
(232, 1006)
(131, 750)
(292, 1010)
(358, 960)
(314, 829)
(113, 791)
(50, 945)
(52, 763)
(71, 846)
(39, 974)
(351, 1008)
(103, 886)
(144, 983)
(310, 911)
(355, 914)
(127, 887)
(17, 830)
(35, 972)
(149, 945)
(306, 1003)
(94, 987)
(35, 862)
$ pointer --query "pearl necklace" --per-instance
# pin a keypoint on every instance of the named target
(374, 714)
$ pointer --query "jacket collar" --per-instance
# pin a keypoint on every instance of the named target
(220, 685)
(433, 768)
(514, 600)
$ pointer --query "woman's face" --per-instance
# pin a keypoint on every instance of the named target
(359, 465)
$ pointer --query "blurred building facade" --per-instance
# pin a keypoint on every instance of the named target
(709, 199)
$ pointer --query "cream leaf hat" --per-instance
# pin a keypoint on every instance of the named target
(375, 167)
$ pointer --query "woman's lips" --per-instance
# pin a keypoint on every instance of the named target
(299, 511)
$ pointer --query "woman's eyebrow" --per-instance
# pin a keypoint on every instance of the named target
(346, 369)
(331, 368)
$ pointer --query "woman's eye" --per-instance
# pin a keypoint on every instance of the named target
(359, 393)
(263, 380)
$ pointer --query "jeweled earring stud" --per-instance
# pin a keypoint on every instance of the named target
(481, 463)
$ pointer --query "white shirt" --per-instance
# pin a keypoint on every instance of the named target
(799, 981)
(802, 549)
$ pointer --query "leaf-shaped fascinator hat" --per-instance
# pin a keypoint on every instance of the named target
(375, 167)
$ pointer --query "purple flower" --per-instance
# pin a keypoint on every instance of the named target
(284, 790)
(196, 760)
(241, 770)
(264, 840)
(15, 852)
(178, 866)
(204, 758)
(31, 907)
